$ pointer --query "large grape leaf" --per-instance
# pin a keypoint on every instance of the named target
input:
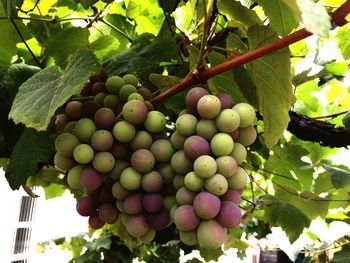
(272, 76)
(343, 37)
(282, 17)
(32, 149)
(339, 177)
(288, 217)
(40, 96)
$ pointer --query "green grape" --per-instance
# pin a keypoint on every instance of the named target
(130, 179)
(239, 153)
(238, 180)
(186, 125)
(211, 234)
(83, 153)
(65, 144)
(221, 144)
(114, 84)
(111, 101)
(216, 184)
(131, 79)
(246, 113)
(73, 177)
(209, 106)
(193, 182)
(155, 121)
(205, 166)
(227, 121)
(125, 91)
(135, 96)
(103, 162)
(84, 129)
(124, 131)
(206, 128)
(247, 135)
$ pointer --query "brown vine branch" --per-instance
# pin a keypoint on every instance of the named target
(338, 19)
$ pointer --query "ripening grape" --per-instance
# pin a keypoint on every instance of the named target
(90, 178)
(152, 182)
(185, 196)
(247, 135)
(145, 93)
(155, 121)
(103, 162)
(211, 234)
(83, 153)
(135, 111)
(61, 121)
(119, 166)
(142, 160)
(216, 184)
(196, 146)
(239, 153)
(205, 166)
(227, 121)
(238, 180)
(104, 118)
(107, 213)
(229, 215)
(73, 176)
(130, 179)
(225, 100)
(142, 140)
(234, 134)
(246, 113)
(84, 129)
(162, 150)
(206, 128)
(73, 109)
(209, 106)
(189, 238)
(227, 165)
(133, 203)
(102, 140)
(178, 181)
(86, 206)
(185, 218)
(124, 131)
(98, 87)
(221, 144)
(177, 140)
(114, 84)
(131, 79)
(63, 163)
(206, 205)
(136, 225)
(152, 202)
(125, 91)
(65, 144)
(192, 98)
(193, 182)
(186, 124)
(166, 171)
(180, 163)
(119, 192)
(232, 196)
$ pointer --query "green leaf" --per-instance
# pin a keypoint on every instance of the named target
(105, 47)
(54, 190)
(32, 149)
(234, 42)
(4, 162)
(322, 183)
(343, 37)
(288, 217)
(304, 92)
(342, 256)
(346, 120)
(339, 177)
(282, 16)
(66, 43)
(210, 254)
(309, 203)
(193, 57)
(40, 96)
(272, 76)
(234, 10)
(338, 68)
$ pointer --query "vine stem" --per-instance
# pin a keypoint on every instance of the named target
(201, 76)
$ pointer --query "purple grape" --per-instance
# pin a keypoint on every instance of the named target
(95, 222)
(108, 213)
(185, 218)
(86, 206)
(90, 178)
(192, 98)
(133, 203)
(152, 202)
(196, 146)
(229, 215)
(232, 196)
(226, 101)
(158, 221)
(206, 205)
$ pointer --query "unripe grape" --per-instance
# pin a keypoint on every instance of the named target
(185, 196)
(227, 165)
(186, 125)
(142, 161)
(216, 184)
(125, 91)
(196, 146)
(131, 79)
(185, 218)
(166, 171)
(227, 121)
(103, 162)
(104, 118)
(206, 128)
(169, 202)
(63, 163)
(177, 140)
(155, 121)
(73, 177)
(180, 163)
(124, 131)
(83, 153)
(65, 144)
(189, 238)
(99, 98)
(111, 101)
(239, 153)
(130, 179)
(246, 113)
(209, 107)
(205, 166)
(162, 150)
(226, 101)
(142, 140)
(135, 96)
(178, 181)
(73, 109)
(135, 111)
(84, 129)
(221, 144)
(247, 135)
(206, 205)
(192, 98)
(239, 180)
(193, 182)
(211, 234)
(229, 215)
(102, 140)
(114, 84)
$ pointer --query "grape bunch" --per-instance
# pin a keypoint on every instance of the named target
(133, 164)
(210, 138)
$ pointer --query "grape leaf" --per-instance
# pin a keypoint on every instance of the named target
(339, 177)
(272, 76)
(237, 12)
(32, 149)
(210, 254)
(4, 162)
(343, 37)
(342, 256)
(54, 190)
(40, 96)
(282, 17)
(288, 217)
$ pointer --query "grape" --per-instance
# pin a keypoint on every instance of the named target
(209, 107)
(180, 163)
(103, 75)
(149, 105)
(98, 87)
(234, 134)
(73, 177)
(119, 192)
(169, 202)
(90, 178)
(86, 206)
(162, 150)
(61, 121)
(142, 140)
(63, 163)
(206, 128)
(83, 153)
(178, 181)
(246, 113)
(211, 234)
(136, 225)
(135, 96)
(148, 237)
(123, 131)
(225, 100)
(166, 171)
(227, 120)
(145, 93)
(104, 118)
(105, 193)
(221, 144)
(239, 153)
(86, 91)
(216, 184)
(114, 84)
(185, 196)
(125, 91)
(196, 146)
(111, 101)
(119, 166)
(152, 202)
(159, 220)
(232, 196)
(103, 162)
(193, 182)
(206, 205)
(84, 129)
(107, 213)
(177, 140)
(186, 125)
(155, 121)
(73, 110)
(89, 108)
(193, 97)
(99, 98)
(183, 112)
(189, 238)
(130, 179)
(247, 135)
(142, 160)
(227, 165)
(102, 140)
(135, 111)
(152, 182)
(185, 218)
(133, 203)
(205, 166)
(131, 79)
(239, 180)
(229, 215)
(95, 222)
(70, 127)
(65, 144)
(93, 79)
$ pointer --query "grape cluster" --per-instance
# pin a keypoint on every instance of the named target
(210, 138)
(114, 147)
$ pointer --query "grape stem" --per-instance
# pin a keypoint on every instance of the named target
(202, 75)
